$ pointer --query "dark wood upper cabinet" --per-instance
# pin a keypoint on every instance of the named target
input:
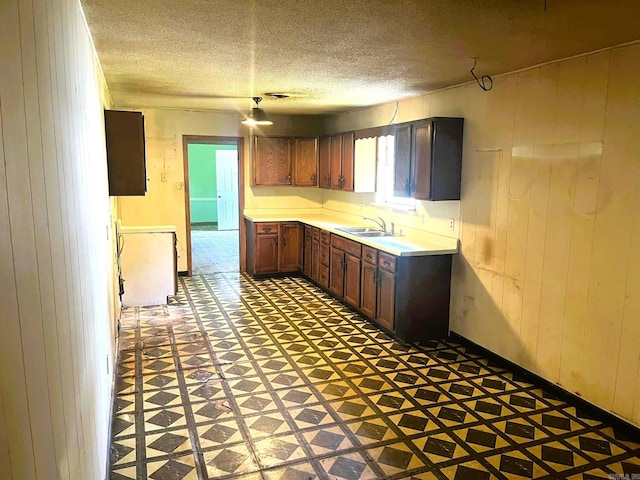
(428, 159)
(341, 161)
(402, 161)
(348, 149)
(124, 132)
(272, 161)
(324, 162)
(421, 165)
(336, 162)
(305, 162)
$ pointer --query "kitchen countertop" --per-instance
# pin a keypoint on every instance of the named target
(402, 246)
(147, 229)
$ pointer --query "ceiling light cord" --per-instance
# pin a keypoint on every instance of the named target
(394, 114)
(485, 82)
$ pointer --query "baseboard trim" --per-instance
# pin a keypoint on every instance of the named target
(620, 424)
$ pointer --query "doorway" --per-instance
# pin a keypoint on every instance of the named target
(213, 204)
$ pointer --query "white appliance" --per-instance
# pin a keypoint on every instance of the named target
(148, 264)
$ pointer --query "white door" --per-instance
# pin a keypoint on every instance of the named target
(227, 183)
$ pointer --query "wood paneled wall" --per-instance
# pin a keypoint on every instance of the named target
(57, 306)
(549, 270)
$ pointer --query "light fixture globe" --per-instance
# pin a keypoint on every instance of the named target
(257, 116)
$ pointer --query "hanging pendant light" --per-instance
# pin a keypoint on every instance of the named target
(257, 116)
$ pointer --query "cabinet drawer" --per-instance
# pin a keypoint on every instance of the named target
(316, 233)
(324, 254)
(369, 255)
(386, 261)
(349, 246)
(324, 237)
(324, 276)
(262, 228)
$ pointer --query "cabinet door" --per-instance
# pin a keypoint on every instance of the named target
(306, 254)
(305, 162)
(386, 298)
(352, 280)
(324, 276)
(324, 162)
(315, 259)
(272, 161)
(126, 165)
(369, 286)
(336, 162)
(446, 158)
(266, 253)
(336, 275)
(421, 165)
(291, 247)
(348, 149)
(402, 161)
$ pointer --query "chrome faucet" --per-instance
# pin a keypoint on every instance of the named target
(380, 222)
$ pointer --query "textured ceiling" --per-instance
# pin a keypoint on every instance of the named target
(335, 55)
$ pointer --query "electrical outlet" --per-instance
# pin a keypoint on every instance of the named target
(163, 177)
(452, 224)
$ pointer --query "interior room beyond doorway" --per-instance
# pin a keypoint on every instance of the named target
(213, 207)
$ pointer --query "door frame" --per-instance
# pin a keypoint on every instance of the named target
(207, 139)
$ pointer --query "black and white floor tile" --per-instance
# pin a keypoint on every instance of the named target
(273, 379)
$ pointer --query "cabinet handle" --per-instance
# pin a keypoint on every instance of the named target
(313, 178)
(369, 256)
(289, 177)
(266, 229)
(284, 242)
(387, 263)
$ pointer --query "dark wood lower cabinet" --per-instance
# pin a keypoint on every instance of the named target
(369, 289)
(406, 295)
(315, 259)
(306, 252)
(324, 276)
(352, 280)
(290, 247)
(266, 253)
(386, 293)
(336, 272)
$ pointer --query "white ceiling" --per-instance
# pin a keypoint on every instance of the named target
(336, 55)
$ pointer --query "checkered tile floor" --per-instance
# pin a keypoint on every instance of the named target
(273, 379)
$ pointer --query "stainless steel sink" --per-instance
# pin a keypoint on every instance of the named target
(359, 230)
(365, 232)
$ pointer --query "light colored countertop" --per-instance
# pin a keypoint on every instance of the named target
(403, 246)
(147, 229)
